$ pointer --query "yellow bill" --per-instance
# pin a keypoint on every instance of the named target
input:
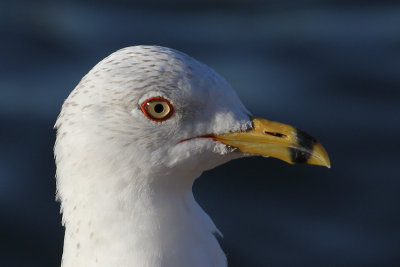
(278, 140)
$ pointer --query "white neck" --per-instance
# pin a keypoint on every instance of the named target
(119, 225)
(122, 207)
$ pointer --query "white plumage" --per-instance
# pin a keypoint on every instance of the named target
(124, 181)
(124, 176)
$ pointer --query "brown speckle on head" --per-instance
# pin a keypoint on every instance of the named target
(86, 106)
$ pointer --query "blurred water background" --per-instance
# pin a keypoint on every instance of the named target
(331, 68)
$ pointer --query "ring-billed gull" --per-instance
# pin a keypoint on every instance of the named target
(132, 137)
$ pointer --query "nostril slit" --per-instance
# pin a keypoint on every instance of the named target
(275, 134)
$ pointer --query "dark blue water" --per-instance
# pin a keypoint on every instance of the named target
(331, 69)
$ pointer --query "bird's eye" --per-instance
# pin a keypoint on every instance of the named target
(157, 108)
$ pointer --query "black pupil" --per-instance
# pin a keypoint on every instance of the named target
(159, 108)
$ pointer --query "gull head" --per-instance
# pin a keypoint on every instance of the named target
(152, 107)
(132, 137)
